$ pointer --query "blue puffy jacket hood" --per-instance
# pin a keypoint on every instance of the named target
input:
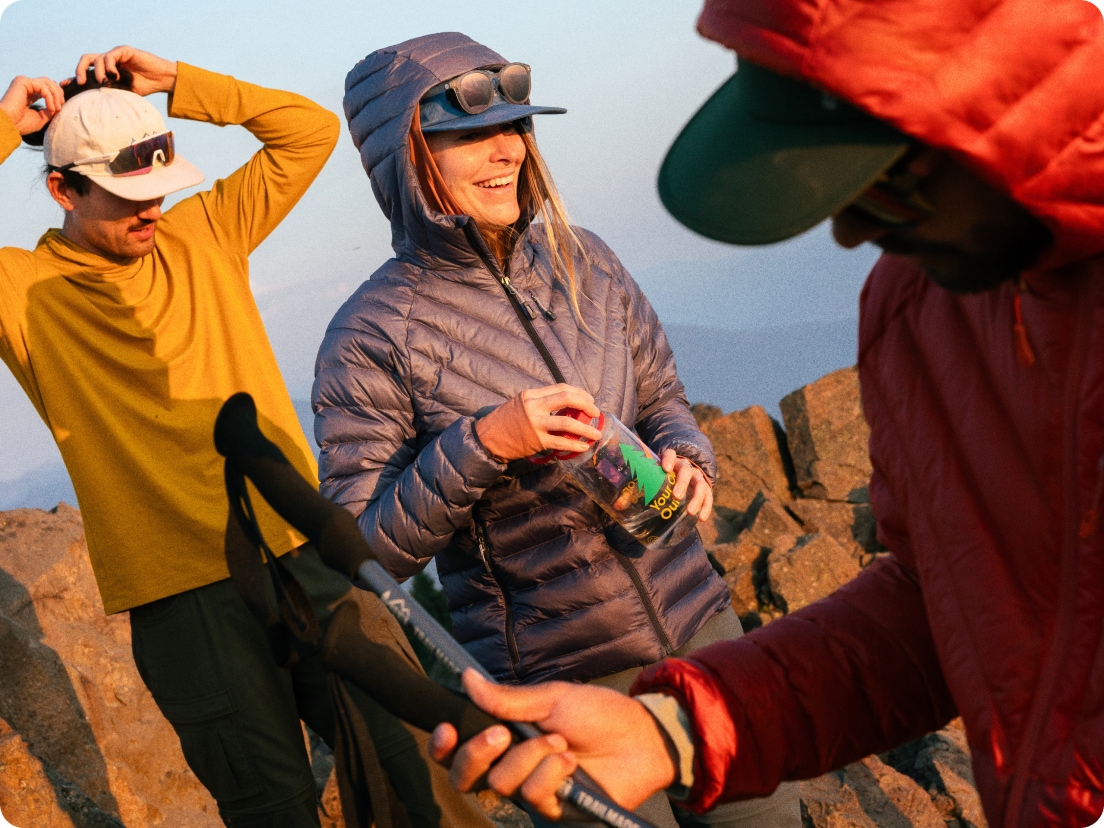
(381, 96)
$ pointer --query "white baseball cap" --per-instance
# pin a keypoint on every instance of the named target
(120, 141)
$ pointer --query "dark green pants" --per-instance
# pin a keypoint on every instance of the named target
(782, 809)
(206, 661)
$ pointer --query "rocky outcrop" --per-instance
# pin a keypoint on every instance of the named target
(81, 741)
(83, 745)
(827, 435)
(793, 522)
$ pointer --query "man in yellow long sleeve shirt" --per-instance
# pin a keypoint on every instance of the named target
(128, 328)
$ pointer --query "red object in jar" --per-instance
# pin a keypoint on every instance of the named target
(552, 454)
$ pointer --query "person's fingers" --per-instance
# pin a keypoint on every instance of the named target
(520, 761)
(551, 398)
(697, 494)
(707, 504)
(86, 62)
(684, 476)
(472, 759)
(53, 96)
(542, 787)
(19, 99)
(442, 742)
(109, 65)
(569, 425)
(49, 92)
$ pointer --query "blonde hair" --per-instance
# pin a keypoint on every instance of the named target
(539, 198)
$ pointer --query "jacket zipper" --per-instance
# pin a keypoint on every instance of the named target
(548, 314)
(646, 600)
(525, 315)
(521, 307)
(1043, 699)
(485, 556)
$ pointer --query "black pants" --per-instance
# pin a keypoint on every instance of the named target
(206, 661)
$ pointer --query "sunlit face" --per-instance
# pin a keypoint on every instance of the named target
(976, 238)
(105, 223)
(480, 168)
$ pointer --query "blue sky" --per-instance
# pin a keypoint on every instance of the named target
(629, 73)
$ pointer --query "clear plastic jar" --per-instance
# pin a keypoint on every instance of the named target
(623, 476)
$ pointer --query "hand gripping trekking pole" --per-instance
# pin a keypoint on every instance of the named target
(378, 671)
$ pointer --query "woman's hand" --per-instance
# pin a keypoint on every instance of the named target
(611, 735)
(151, 73)
(527, 424)
(25, 91)
(689, 483)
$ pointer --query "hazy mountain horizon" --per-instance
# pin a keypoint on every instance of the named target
(728, 369)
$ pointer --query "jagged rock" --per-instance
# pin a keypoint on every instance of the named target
(867, 794)
(742, 560)
(765, 519)
(705, 413)
(940, 763)
(827, 438)
(850, 524)
(716, 529)
(69, 687)
(27, 796)
(737, 560)
(805, 569)
(750, 459)
(826, 802)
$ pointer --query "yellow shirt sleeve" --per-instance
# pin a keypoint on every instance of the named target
(9, 137)
(298, 137)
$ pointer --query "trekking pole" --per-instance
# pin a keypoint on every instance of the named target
(398, 689)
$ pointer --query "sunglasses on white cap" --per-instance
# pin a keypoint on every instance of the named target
(137, 159)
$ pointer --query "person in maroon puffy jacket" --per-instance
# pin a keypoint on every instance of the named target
(964, 139)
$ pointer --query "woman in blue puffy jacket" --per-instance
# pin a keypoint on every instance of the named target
(440, 377)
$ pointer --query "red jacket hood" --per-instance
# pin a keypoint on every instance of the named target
(1013, 89)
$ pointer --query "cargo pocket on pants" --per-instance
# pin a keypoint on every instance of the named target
(214, 746)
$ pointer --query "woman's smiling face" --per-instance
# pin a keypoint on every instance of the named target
(480, 167)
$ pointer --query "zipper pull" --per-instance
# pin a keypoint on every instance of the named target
(510, 289)
(484, 551)
(1089, 519)
(1023, 346)
(551, 317)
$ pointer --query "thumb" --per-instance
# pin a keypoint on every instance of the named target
(518, 704)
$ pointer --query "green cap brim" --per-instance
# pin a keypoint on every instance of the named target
(767, 157)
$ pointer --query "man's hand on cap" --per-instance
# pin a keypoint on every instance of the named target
(25, 91)
(151, 73)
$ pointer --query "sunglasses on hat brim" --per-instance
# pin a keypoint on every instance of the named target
(474, 91)
(137, 159)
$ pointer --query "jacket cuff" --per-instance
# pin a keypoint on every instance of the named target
(464, 450)
(675, 725)
(696, 694)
